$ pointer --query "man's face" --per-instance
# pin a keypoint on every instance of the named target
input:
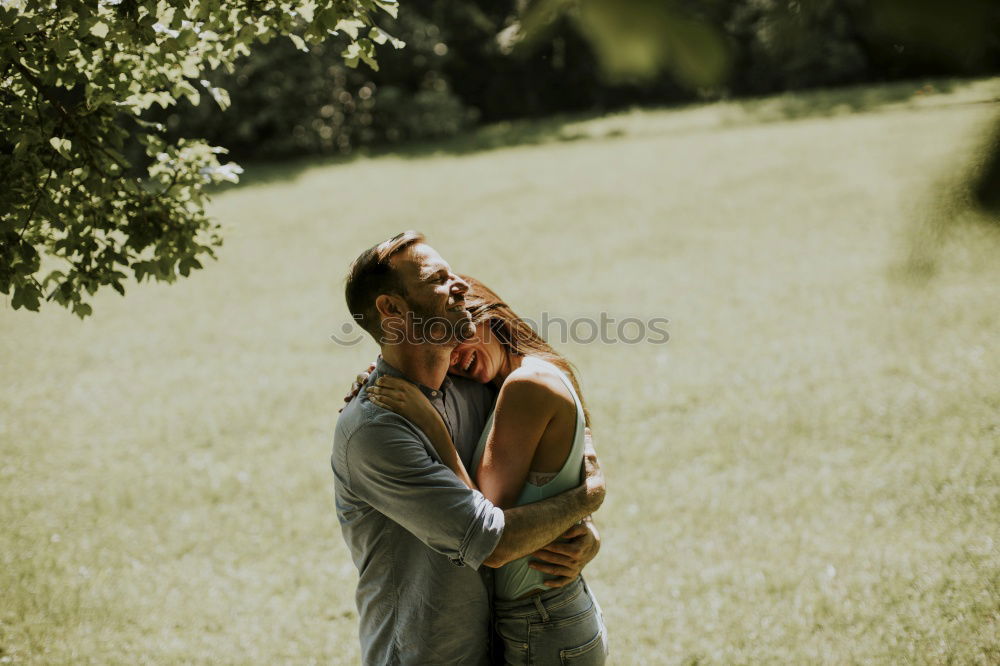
(435, 297)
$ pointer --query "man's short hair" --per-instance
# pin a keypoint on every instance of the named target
(371, 275)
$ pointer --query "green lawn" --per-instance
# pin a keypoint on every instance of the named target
(807, 472)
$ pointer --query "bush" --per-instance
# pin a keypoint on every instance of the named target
(287, 102)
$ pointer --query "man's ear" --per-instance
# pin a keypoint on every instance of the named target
(389, 305)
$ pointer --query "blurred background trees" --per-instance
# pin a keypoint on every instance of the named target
(481, 61)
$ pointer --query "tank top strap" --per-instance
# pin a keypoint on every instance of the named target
(481, 446)
(581, 417)
(572, 468)
(576, 451)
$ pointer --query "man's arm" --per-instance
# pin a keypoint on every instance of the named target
(385, 464)
(567, 556)
(534, 526)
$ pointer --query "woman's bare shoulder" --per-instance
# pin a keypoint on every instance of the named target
(538, 380)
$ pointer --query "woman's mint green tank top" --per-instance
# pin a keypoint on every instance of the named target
(515, 579)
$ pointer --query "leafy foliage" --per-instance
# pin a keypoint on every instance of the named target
(491, 60)
(786, 45)
(459, 67)
(76, 78)
(287, 102)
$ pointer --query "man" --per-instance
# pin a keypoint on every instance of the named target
(417, 534)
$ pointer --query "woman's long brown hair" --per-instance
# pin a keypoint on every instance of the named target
(516, 336)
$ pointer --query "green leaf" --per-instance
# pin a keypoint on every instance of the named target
(190, 69)
(25, 296)
(62, 146)
(25, 26)
(351, 54)
(328, 18)
(220, 95)
(351, 26)
(62, 46)
(300, 43)
(380, 36)
(390, 7)
(187, 90)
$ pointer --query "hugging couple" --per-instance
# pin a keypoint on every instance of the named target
(464, 476)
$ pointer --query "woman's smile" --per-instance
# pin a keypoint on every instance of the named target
(468, 364)
(466, 360)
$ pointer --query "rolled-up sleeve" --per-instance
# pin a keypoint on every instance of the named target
(390, 468)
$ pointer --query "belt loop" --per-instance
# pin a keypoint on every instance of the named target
(541, 609)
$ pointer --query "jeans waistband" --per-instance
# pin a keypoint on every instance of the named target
(541, 603)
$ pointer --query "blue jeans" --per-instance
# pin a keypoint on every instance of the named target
(556, 627)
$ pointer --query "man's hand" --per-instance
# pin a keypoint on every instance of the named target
(570, 553)
(567, 556)
(529, 528)
(594, 480)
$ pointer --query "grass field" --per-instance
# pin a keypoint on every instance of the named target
(807, 472)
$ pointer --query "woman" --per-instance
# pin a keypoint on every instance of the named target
(532, 448)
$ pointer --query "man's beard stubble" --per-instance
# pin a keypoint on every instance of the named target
(422, 326)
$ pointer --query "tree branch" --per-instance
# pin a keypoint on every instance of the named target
(38, 198)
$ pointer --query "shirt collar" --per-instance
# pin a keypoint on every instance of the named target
(383, 368)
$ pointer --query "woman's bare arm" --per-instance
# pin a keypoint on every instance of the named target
(524, 409)
(405, 399)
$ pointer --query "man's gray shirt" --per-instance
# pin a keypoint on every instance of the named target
(416, 533)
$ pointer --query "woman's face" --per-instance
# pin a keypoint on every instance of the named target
(480, 357)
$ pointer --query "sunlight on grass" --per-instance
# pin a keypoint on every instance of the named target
(808, 472)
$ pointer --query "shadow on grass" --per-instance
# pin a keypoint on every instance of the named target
(968, 200)
(836, 101)
(505, 134)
